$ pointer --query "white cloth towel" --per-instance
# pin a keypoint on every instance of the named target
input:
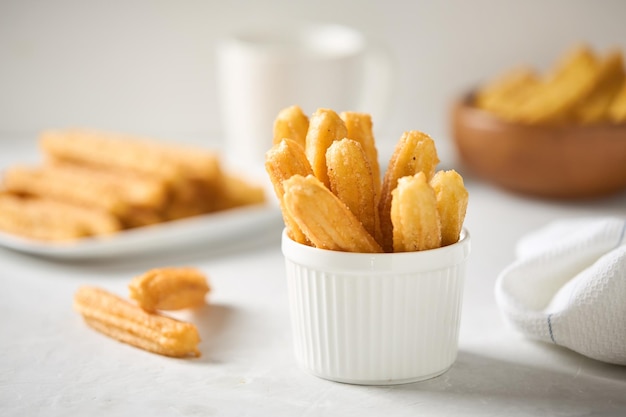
(568, 287)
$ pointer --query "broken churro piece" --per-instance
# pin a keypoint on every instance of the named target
(415, 152)
(324, 218)
(416, 223)
(128, 323)
(169, 289)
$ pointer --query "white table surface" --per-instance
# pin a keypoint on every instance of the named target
(52, 364)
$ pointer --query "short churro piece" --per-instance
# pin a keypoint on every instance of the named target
(46, 219)
(169, 289)
(120, 193)
(415, 152)
(416, 223)
(351, 179)
(325, 127)
(128, 323)
(452, 199)
(282, 161)
(291, 123)
(326, 220)
(359, 126)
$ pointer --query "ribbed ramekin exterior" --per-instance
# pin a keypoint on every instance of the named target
(382, 328)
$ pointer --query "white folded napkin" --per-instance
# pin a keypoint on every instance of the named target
(568, 287)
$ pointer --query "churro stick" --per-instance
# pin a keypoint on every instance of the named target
(504, 96)
(325, 219)
(452, 198)
(45, 219)
(415, 152)
(416, 224)
(351, 180)
(112, 191)
(128, 323)
(133, 153)
(169, 289)
(594, 107)
(282, 161)
(325, 127)
(572, 80)
(359, 126)
(617, 110)
(291, 123)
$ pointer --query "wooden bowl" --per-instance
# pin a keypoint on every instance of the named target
(569, 162)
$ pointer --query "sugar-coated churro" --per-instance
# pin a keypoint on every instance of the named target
(415, 152)
(416, 223)
(326, 220)
(351, 179)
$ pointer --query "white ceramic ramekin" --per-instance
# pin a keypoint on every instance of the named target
(375, 319)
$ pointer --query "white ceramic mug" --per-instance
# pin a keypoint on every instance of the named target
(261, 71)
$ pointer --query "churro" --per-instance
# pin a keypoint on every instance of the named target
(169, 289)
(282, 161)
(325, 127)
(360, 129)
(416, 223)
(415, 152)
(324, 218)
(128, 323)
(122, 194)
(609, 77)
(452, 199)
(291, 123)
(45, 219)
(351, 179)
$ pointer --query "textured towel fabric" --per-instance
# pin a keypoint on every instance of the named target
(568, 287)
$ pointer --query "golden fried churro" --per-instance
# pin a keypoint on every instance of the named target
(504, 96)
(351, 180)
(123, 194)
(45, 219)
(291, 123)
(325, 127)
(415, 152)
(617, 110)
(325, 219)
(169, 289)
(128, 323)
(609, 77)
(571, 81)
(119, 151)
(282, 161)
(416, 223)
(452, 198)
(359, 126)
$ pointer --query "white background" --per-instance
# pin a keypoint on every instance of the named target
(148, 66)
